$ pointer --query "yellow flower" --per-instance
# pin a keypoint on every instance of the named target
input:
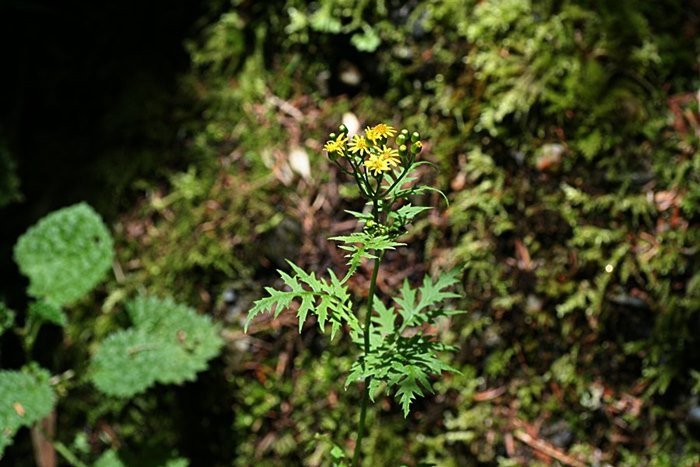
(371, 134)
(337, 145)
(359, 145)
(377, 164)
(391, 156)
(383, 130)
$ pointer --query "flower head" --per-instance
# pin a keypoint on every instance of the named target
(371, 134)
(377, 164)
(391, 156)
(336, 145)
(382, 130)
(359, 145)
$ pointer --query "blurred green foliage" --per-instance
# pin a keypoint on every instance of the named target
(65, 255)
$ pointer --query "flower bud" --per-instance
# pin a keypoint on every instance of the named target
(343, 129)
(404, 132)
(401, 139)
(332, 136)
(416, 147)
(415, 137)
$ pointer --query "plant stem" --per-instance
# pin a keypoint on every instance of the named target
(71, 458)
(368, 322)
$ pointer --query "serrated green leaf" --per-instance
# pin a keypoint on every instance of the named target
(169, 344)
(374, 386)
(361, 246)
(430, 293)
(335, 327)
(356, 374)
(405, 362)
(385, 318)
(129, 362)
(433, 293)
(406, 302)
(276, 302)
(25, 398)
(410, 387)
(65, 255)
(307, 303)
(322, 312)
(362, 216)
(328, 300)
(408, 212)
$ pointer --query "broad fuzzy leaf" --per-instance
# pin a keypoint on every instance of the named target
(25, 398)
(65, 255)
(169, 344)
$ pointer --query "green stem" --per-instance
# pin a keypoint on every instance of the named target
(71, 458)
(368, 322)
(396, 182)
(28, 333)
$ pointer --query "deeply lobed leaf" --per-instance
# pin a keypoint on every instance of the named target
(328, 300)
(400, 361)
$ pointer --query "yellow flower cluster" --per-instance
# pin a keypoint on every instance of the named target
(383, 160)
(370, 150)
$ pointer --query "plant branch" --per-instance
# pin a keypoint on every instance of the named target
(366, 330)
